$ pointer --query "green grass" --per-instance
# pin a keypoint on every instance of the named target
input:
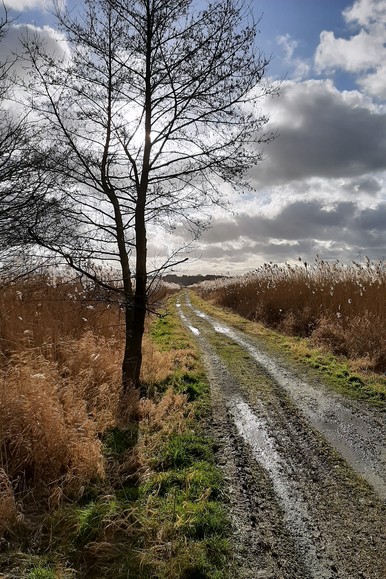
(192, 482)
(168, 522)
(183, 450)
(167, 331)
(116, 441)
(93, 517)
(41, 573)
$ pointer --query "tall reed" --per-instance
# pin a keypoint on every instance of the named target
(61, 346)
(343, 307)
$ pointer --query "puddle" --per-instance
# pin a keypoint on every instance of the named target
(201, 314)
(254, 430)
(193, 329)
(353, 432)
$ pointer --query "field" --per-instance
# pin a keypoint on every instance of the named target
(93, 488)
(88, 488)
(342, 308)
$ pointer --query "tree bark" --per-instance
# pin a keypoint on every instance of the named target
(136, 312)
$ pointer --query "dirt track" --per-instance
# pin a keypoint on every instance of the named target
(305, 468)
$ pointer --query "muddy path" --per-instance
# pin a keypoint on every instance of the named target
(304, 468)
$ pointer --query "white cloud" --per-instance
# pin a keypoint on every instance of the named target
(26, 5)
(375, 83)
(358, 53)
(365, 12)
(300, 67)
(364, 52)
(21, 5)
(322, 133)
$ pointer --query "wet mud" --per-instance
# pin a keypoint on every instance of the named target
(304, 468)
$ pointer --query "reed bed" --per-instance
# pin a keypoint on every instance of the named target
(340, 306)
(86, 489)
(61, 348)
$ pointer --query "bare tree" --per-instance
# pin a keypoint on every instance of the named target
(27, 188)
(153, 107)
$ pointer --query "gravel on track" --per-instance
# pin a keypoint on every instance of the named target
(304, 468)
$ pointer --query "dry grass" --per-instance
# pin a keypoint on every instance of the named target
(91, 370)
(59, 385)
(157, 366)
(66, 433)
(47, 436)
(61, 348)
(8, 510)
(342, 307)
(41, 312)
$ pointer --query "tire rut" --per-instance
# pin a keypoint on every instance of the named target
(299, 511)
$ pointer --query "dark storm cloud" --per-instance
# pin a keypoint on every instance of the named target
(299, 220)
(373, 220)
(366, 184)
(301, 228)
(322, 133)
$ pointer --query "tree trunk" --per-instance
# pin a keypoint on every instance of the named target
(136, 312)
(134, 334)
(129, 358)
(135, 326)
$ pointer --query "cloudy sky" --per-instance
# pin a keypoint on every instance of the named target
(321, 189)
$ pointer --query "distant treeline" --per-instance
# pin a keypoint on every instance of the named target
(186, 280)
